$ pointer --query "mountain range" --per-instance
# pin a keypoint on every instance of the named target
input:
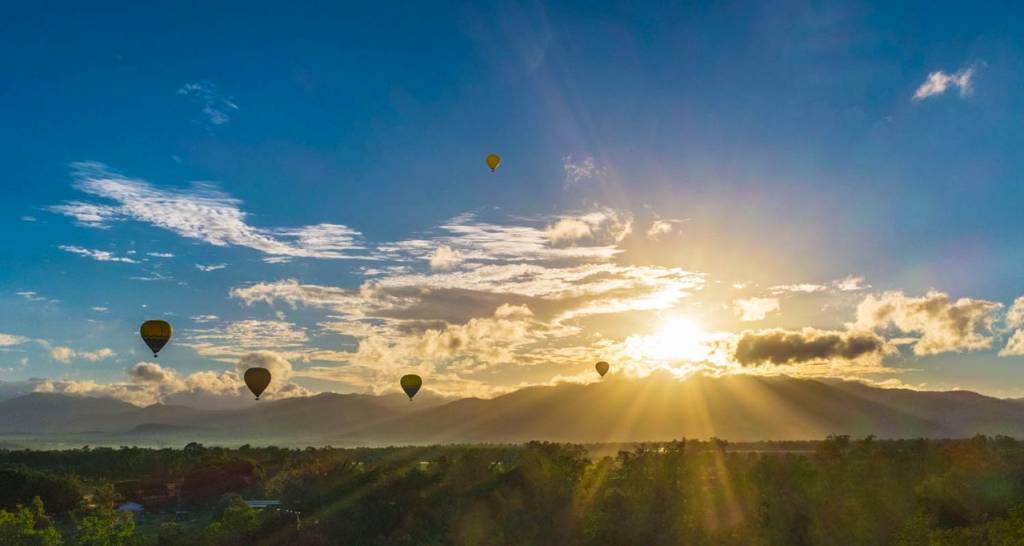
(735, 408)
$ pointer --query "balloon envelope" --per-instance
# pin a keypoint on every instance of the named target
(411, 384)
(602, 367)
(493, 161)
(156, 334)
(257, 380)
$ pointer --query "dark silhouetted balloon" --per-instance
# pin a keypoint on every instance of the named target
(257, 380)
(493, 161)
(411, 384)
(602, 367)
(156, 334)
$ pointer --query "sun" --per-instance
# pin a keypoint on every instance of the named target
(679, 338)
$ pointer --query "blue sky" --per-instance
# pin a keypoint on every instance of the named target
(849, 174)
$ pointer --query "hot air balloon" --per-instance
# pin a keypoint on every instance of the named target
(156, 334)
(602, 367)
(257, 380)
(411, 384)
(493, 160)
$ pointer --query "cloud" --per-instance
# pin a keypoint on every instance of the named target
(98, 255)
(586, 169)
(659, 228)
(480, 241)
(445, 258)
(208, 268)
(943, 325)
(203, 318)
(95, 356)
(100, 309)
(232, 340)
(1015, 316)
(779, 347)
(8, 340)
(34, 296)
(62, 354)
(938, 82)
(216, 107)
(160, 254)
(28, 218)
(280, 369)
(1015, 345)
(200, 212)
(755, 308)
(601, 226)
(851, 284)
(805, 288)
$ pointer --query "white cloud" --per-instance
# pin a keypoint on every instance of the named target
(203, 318)
(1015, 316)
(98, 255)
(659, 228)
(216, 107)
(61, 354)
(805, 288)
(28, 218)
(95, 356)
(586, 169)
(100, 309)
(445, 258)
(7, 340)
(943, 325)
(208, 268)
(755, 308)
(200, 212)
(160, 254)
(34, 296)
(851, 284)
(938, 82)
(604, 226)
(1015, 345)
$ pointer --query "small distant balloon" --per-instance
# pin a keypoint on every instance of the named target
(411, 384)
(602, 367)
(493, 160)
(257, 380)
(156, 334)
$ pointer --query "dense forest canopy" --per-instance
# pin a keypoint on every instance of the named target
(838, 491)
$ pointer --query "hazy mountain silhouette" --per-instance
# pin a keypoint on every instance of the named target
(737, 408)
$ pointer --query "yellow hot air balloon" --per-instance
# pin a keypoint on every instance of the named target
(257, 380)
(156, 334)
(411, 384)
(602, 367)
(493, 160)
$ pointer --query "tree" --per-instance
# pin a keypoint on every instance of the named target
(28, 526)
(105, 527)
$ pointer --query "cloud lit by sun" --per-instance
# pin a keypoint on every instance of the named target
(680, 345)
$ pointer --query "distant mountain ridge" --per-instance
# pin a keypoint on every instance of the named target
(736, 408)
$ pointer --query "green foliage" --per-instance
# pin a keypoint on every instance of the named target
(105, 527)
(836, 492)
(18, 486)
(28, 526)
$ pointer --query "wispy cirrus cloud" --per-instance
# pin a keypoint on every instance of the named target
(939, 82)
(216, 107)
(582, 170)
(98, 255)
(211, 267)
(199, 212)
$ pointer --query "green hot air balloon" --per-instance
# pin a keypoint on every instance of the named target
(156, 334)
(602, 367)
(257, 380)
(411, 384)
